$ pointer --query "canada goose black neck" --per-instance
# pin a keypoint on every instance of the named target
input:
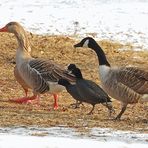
(100, 53)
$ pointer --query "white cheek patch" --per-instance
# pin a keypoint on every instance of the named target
(85, 45)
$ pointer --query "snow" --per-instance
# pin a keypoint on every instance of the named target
(63, 137)
(118, 20)
(15, 141)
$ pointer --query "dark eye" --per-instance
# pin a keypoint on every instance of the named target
(10, 24)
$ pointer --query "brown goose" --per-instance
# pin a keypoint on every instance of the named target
(127, 84)
(38, 74)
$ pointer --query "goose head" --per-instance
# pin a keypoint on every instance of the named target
(87, 42)
(63, 82)
(11, 27)
(19, 32)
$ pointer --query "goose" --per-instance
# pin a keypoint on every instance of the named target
(126, 84)
(40, 75)
(86, 90)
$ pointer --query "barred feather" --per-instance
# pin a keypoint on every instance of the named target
(39, 73)
(126, 84)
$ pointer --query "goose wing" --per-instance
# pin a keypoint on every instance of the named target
(134, 78)
(50, 71)
(38, 73)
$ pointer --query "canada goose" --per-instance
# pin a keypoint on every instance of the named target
(38, 74)
(126, 84)
(86, 90)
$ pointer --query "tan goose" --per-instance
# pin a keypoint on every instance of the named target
(127, 84)
(38, 74)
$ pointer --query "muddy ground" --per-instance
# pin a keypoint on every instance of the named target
(60, 49)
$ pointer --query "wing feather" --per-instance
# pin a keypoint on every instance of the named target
(50, 71)
(134, 78)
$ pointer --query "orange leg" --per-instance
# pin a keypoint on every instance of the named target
(23, 99)
(30, 101)
(55, 101)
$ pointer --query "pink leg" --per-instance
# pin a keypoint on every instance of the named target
(35, 102)
(23, 99)
(30, 101)
(55, 101)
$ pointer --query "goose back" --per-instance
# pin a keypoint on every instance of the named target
(126, 84)
(51, 71)
(135, 78)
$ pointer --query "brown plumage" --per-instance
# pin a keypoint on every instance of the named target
(38, 74)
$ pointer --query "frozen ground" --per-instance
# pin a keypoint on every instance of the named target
(61, 137)
(117, 20)
(15, 141)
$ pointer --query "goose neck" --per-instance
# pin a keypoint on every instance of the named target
(23, 41)
(101, 55)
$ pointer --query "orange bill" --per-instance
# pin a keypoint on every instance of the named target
(4, 29)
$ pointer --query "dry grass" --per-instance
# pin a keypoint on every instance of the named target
(59, 49)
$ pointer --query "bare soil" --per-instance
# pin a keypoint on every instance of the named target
(60, 49)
